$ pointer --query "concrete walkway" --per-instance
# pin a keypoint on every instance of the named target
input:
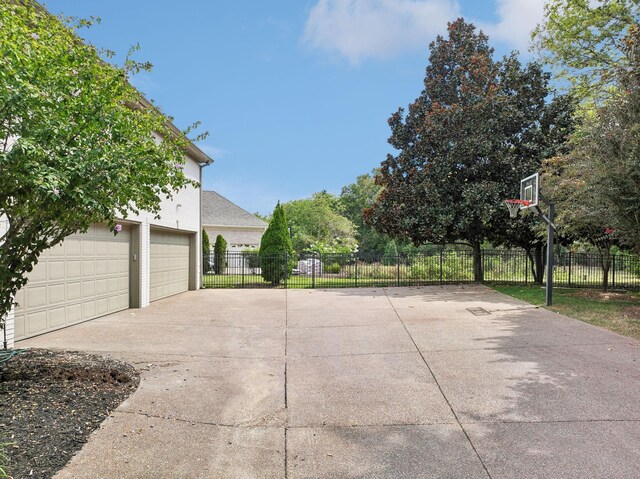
(455, 382)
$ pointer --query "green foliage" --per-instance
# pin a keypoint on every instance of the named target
(478, 127)
(390, 256)
(332, 268)
(276, 251)
(586, 42)
(317, 224)
(455, 267)
(597, 184)
(220, 255)
(206, 251)
(251, 258)
(354, 199)
(78, 144)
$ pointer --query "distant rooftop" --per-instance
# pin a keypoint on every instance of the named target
(219, 211)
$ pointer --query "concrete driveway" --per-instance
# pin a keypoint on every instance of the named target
(456, 382)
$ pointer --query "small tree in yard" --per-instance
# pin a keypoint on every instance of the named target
(206, 251)
(77, 144)
(220, 255)
(275, 248)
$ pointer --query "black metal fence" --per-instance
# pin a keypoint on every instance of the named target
(250, 270)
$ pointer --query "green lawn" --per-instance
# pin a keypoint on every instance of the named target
(616, 311)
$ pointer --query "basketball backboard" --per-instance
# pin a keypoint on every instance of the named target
(529, 189)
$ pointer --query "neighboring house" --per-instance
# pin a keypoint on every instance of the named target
(239, 228)
(94, 274)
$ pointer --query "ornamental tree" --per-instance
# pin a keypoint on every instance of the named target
(220, 255)
(478, 127)
(78, 145)
(206, 251)
(275, 248)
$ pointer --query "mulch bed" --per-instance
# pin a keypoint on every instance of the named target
(50, 402)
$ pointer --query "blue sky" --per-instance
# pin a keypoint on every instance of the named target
(295, 93)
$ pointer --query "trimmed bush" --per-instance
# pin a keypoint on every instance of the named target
(276, 252)
(333, 268)
(206, 252)
(220, 255)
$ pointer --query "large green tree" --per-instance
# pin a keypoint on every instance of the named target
(585, 41)
(276, 250)
(317, 224)
(478, 127)
(77, 144)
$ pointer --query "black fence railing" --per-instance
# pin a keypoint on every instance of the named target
(308, 270)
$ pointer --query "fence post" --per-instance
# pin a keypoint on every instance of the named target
(526, 268)
(613, 274)
(356, 267)
(398, 269)
(286, 268)
(569, 268)
(243, 260)
(441, 252)
(313, 270)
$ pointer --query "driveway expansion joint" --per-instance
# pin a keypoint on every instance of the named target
(424, 360)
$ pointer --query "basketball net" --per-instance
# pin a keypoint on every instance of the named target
(514, 206)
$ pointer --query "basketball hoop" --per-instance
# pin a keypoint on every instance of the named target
(514, 206)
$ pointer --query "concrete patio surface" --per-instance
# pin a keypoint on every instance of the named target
(361, 383)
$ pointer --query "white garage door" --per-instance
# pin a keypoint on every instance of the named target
(85, 277)
(169, 264)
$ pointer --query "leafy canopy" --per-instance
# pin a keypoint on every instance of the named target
(354, 199)
(317, 224)
(584, 40)
(77, 143)
(477, 128)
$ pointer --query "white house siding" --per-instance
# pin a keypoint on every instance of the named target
(237, 238)
(181, 213)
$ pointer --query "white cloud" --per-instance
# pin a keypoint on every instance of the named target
(213, 151)
(517, 20)
(359, 29)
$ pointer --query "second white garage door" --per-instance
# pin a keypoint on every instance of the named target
(169, 264)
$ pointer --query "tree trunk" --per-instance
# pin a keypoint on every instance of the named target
(478, 270)
(540, 264)
(606, 265)
(536, 261)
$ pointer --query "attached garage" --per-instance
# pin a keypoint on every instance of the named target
(85, 277)
(169, 263)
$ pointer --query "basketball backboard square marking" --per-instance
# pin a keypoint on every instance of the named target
(529, 188)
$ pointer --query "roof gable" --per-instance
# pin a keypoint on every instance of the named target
(219, 211)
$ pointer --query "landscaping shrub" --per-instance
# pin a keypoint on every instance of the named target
(276, 252)
(206, 252)
(251, 258)
(333, 268)
(220, 255)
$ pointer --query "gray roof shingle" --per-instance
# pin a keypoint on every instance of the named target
(219, 211)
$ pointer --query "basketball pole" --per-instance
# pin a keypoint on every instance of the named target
(551, 228)
(550, 238)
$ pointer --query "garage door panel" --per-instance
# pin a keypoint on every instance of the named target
(73, 282)
(169, 273)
